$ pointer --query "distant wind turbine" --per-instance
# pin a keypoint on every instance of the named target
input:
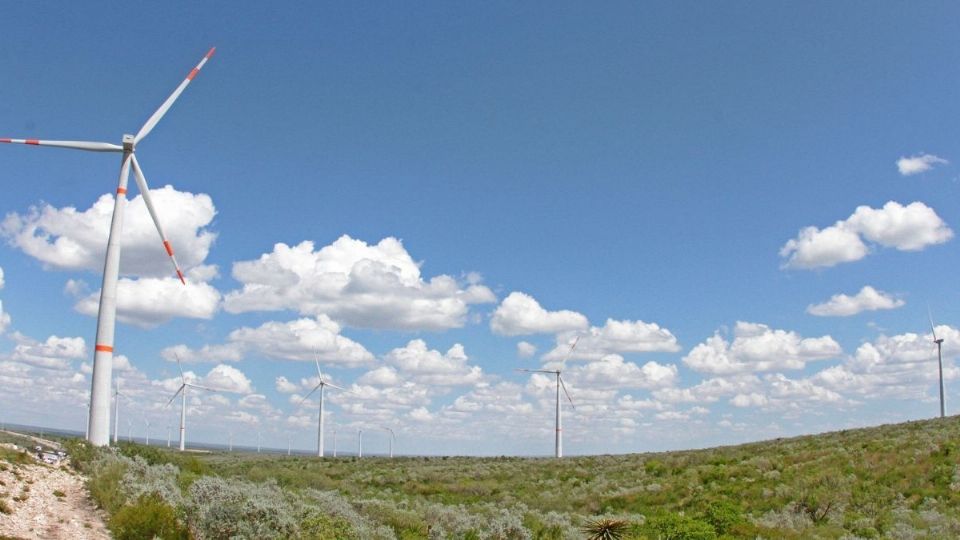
(558, 442)
(183, 404)
(116, 412)
(323, 383)
(939, 343)
(99, 432)
(259, 434)
(147, 421)
(392, 437)
(334, 442)
(129, 430)
(169, 429)
(360, 442)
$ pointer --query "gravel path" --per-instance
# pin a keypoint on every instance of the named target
(31, 492)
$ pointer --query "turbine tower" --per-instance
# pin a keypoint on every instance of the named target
(359, 442)
(323, 383)
(939, 343)
(183, 404)
(99, 432)
(148, 432)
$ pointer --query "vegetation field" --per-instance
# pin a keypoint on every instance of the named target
(898, 481)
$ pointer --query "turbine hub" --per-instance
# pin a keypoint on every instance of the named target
(128, 142)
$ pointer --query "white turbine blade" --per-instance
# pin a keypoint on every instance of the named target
(570, 351)
(182, 378)
(535, 370)
(175, 395)
(932, 329)
(152, 121)
(208, 388)
(566, 393)
(316, 360)
(304, 398)
(335, 386)
(145, 193)
(76, 145)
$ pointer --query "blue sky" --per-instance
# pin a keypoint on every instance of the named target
(648, 165)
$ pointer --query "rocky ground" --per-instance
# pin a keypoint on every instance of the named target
(48, 502)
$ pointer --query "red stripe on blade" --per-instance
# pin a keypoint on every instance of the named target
(32, 141)
(180, 275)
(193, 73)
(210, 52)
(104, 348)
(166, 244)
(6, 140)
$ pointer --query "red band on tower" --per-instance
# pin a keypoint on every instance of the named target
(121, 191)
(104, 348)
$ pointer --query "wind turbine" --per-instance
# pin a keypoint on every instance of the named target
(116, 412)
(230, 439)
(183, 404)
(258, 441)
(99, 434)
(392, 437)
(359, 442)
(323, 383)
(147, 421)
(168, 434)
(129, 430)
(939, 343)
(558, 443)
(334, 442)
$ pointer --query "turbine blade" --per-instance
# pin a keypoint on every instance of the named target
(570, 351)
(177, 393)
(566, 393)
(152, 121)
(208, 388)
(932, 329)
(304, 398)
(535, 370)
(145, 193)
(76, 145)
(182, 378)
(335, 386)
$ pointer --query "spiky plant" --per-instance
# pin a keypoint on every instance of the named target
(605, 529)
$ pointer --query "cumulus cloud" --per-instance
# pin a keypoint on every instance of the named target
(918, 164)
(4, 319)
(71, 239)
(427, 366)
(612, 371)
(906, 228)
(221, 377)
(148, 302)
(526, 350)
(54, 353)
(520, 314)
(756, 348)
(360, 285)
(753, 399)
(615, 337)
(842, 305)
(300, 339)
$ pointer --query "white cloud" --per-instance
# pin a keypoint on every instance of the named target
(426, 366)
(1, 278)
(421, 414)
(753, 399)
(381, 376)
(360, 285)
(757, 347)
(615, 337)
(526, 350)
(612, 371)
(148, 302)
(221, 377)
(918, 164)
(284, 386)
(520, 314)
(4, 319)
(54, 353)
(842, 305)
(906, 228)
(300, 339)
(71, 239)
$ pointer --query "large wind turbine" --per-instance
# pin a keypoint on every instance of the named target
(939, 343)
(183, 404)
(558, 443)
(323, 383)
(99, 433)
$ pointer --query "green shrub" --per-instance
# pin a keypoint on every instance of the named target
(723, 516)
(672, 526)
(149, 517)
(105, 482)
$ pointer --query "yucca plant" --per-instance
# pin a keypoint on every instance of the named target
(605, 529)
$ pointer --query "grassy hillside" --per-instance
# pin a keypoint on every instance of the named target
(898, 481)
